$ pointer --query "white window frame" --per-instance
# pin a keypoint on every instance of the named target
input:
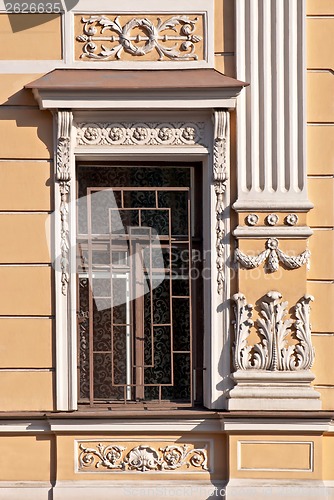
(212, 150)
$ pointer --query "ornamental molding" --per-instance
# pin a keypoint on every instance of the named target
(272, 256)
(141, 458)
(140, 134)
(155, 36)
(63, 177)
(220, 178)
(273, 352)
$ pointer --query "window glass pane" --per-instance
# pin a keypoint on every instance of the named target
(134, 304)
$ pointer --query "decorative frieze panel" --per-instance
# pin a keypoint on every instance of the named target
(272, 256)
(151, 38)
(273, 351)
(142, 458)
(141, 134)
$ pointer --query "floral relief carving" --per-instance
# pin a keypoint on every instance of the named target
(272, 256)
(64, 178)
(156, 36)
(145, 134)
(273, 352)
(220, 177)
(252, 219)
(291, 219)
(272, 219)
(142, 458)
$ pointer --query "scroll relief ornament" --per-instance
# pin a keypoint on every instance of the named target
(140, 134)
(63, 178)
(273, 352)
(155, 37)
(220, 178)
(272, 256)
(142, 458)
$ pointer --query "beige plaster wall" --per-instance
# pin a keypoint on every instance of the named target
(320, 158)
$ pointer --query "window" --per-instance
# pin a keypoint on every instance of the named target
(138, 285)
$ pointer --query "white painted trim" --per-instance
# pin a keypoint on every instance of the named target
(101, 490)
(276, 489)
(135, 425)
(162, 425)
(235, 489)
(217, 318)
(186, 99)
(259, 425)
(29, 490)
(270, 232)
(24, 426)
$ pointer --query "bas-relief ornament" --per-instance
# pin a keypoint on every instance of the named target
(63, 178)
(291, 219)
(142, 458)
(272, 219)
(220, 177)
(272, 256)
(273, 352)
(140, 134)
(154, 35)
(252, 219)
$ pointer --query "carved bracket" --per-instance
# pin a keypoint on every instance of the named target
(272, 256)
(273, 352)
(220, 177)
(142, 458)
(155, 36)
(63, 178)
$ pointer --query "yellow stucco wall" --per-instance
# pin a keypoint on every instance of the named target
(26, 279)
(320, 158)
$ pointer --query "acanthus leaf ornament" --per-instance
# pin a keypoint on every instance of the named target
(156, 36)
(142, 458)
(272, 255)
(175, 457)
(109, 456)
(273, 352)
(220, 178)
(63, 178)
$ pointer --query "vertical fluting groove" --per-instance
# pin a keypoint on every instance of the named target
(301, 74)
(249, 91)
(287, 97)
(268, 77)
(274, 94)
(278, 165)
(262, 87)
(254, 79)
(241, 37)
(293, 67)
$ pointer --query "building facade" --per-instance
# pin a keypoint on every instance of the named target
(166, 267)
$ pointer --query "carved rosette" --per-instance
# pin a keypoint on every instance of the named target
(272, 256)
(63, 178)
(174, 38)
(273, 352)
(140, 134)
(220, 177)
(142, 458)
